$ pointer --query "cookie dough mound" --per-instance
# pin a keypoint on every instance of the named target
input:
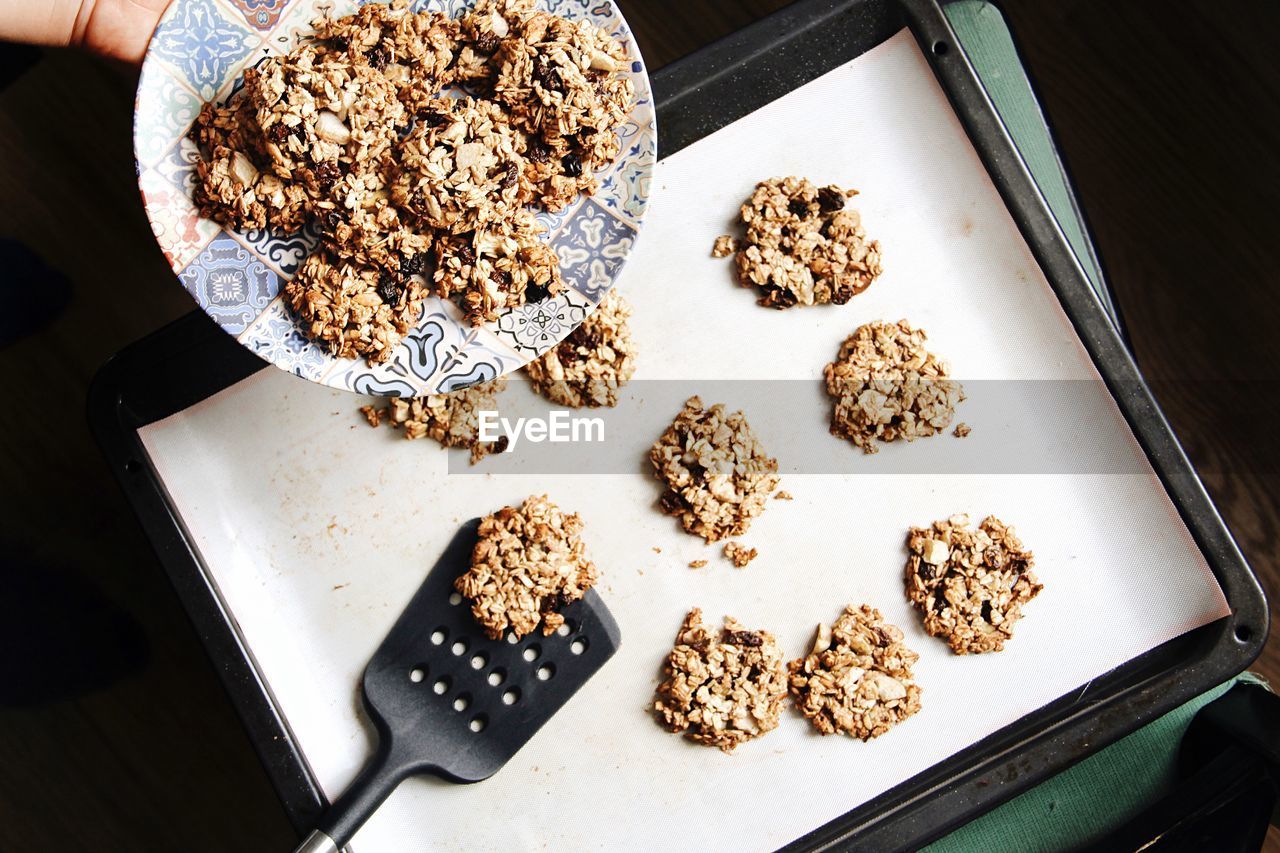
(721, 691)
(857, 679)
(717, 475)
(489, 269)
(886, 387)
(528, 563)
(803, 245)
(460, 165)
(560, 82)
(350, 309)
(451, 419)
(969, 584)
(589, 366)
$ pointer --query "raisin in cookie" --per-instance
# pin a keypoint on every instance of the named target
(803, 245)
(886, 386)
(857, 679)
(721, 691)
(528, 563)
(969, 584)
(589, 366)
(717, 475)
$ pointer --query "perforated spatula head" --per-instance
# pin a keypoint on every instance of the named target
(448, 700)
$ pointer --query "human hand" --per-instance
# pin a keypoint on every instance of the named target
(117, 29)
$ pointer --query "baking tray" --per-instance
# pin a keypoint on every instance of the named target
(191, 360)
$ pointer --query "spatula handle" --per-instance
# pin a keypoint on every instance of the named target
(361, 799)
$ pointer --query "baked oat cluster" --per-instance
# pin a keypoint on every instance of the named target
(803, 245)
(415, 192)
(528, 563)
(717, 475)
(887, 386)
(969, 584)
(857, 678)
(721, 691)
(739, 554)
(451, 419)
(593, 363)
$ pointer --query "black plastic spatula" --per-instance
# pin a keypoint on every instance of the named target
(448, 700)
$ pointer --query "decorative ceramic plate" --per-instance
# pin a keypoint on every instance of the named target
(198, 54)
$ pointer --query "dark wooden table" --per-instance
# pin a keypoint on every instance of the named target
(114, 733)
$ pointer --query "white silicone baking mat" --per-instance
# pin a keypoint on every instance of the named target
(317, 529)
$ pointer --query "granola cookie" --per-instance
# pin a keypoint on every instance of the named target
(969, 584)
(721, 691)
(560, 82)
(451, 419)
(491, 268)
(416, 52)
(717, 475)
(353, 310)
(234, 184)
(803, 245)
(528, 563)
(887, 386)
(460, 165)
(323, 116)
(857, 678)
(589, 366)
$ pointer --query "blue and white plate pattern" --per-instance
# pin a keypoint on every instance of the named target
(200, 51)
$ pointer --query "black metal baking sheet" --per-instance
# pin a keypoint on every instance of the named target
(192, 359)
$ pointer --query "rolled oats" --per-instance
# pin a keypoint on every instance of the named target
(886, 386)
(803, 245)
(350, 129)
(721, 691)
(697, 564)
(593, 363)
(962, 430)
(857, 679)
(528, 563)
(717, 475)
(451, 419)
(969, 584)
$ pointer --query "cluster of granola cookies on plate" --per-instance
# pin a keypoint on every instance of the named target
(593, 363)
(857, 679)
(528, 563)
(969, 584)
(803, 245)
(887, 386)
(721, 690)
(717, 475)
(414, 191)
(451, 419)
